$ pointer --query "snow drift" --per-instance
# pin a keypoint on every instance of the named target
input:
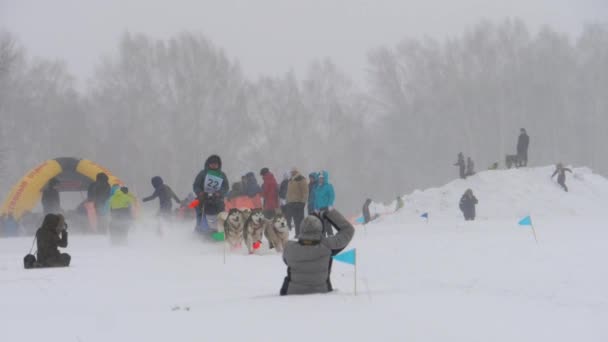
(445, 280)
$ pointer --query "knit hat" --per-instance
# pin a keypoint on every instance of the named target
(264, 171)
(311, 228)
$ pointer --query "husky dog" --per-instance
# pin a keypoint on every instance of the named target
(277, 232)
(233, 224)
(254, 229)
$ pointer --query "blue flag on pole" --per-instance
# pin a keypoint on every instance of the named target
(425, 215)
(526, 221)
(349, 257)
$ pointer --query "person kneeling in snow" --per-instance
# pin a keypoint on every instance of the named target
(49, 237)
(309, 259)
(467, 205)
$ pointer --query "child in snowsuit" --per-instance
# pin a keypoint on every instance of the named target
(560, 171)
(467, 205)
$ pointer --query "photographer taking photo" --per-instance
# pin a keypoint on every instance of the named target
(49, 237)
(309, 259)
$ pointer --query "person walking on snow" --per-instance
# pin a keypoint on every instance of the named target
(560, 171)
(270, 193)
(461, 165)
(165, 194)
(468, 201)
(523, 142)
(324, 198)
(210, 186)
(283, 198)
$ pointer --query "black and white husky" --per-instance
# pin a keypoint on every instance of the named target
(254, 229)
(277, 232)
(233, 224)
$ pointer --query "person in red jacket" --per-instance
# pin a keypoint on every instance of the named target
(270, 193)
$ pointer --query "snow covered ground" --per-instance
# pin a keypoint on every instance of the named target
(445, 280)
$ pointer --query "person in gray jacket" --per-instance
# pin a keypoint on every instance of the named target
(309, 259)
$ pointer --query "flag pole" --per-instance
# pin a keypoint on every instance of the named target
(355, 272)
(224, 243)
(534, 232)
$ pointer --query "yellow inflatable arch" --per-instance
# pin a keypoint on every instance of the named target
(73, 175)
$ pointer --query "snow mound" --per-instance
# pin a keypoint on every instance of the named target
(509, 194)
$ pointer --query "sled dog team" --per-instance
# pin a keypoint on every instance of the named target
(250, 226)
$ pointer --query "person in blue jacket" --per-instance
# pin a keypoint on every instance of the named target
(324, 198)
(312, 185)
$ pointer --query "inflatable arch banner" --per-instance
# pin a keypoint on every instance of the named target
(73, 175)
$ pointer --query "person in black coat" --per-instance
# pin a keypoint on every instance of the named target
(560, 171)
(165, 194)
(99, 193)
(523, 142)
(461, 165)
(467, 205)
(51, 203)
(49, 237)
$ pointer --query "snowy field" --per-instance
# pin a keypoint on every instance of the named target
(445, 280)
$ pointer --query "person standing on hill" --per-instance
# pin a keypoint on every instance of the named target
(210, 186)
(523, 142)
(470, 167)
(467, 204)
(297, 197)
(461, 165)
(560, 171)
(165, 194)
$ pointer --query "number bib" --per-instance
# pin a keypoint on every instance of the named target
(213, 183)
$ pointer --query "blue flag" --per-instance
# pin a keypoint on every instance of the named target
(349, 257)
(425, 215)
(526, 221)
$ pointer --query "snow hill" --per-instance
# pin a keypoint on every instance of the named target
(445, 280)
(509, 194)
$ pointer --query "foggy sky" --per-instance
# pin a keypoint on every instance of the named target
(270, 37)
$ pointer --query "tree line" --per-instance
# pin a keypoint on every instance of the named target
(160, 107)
